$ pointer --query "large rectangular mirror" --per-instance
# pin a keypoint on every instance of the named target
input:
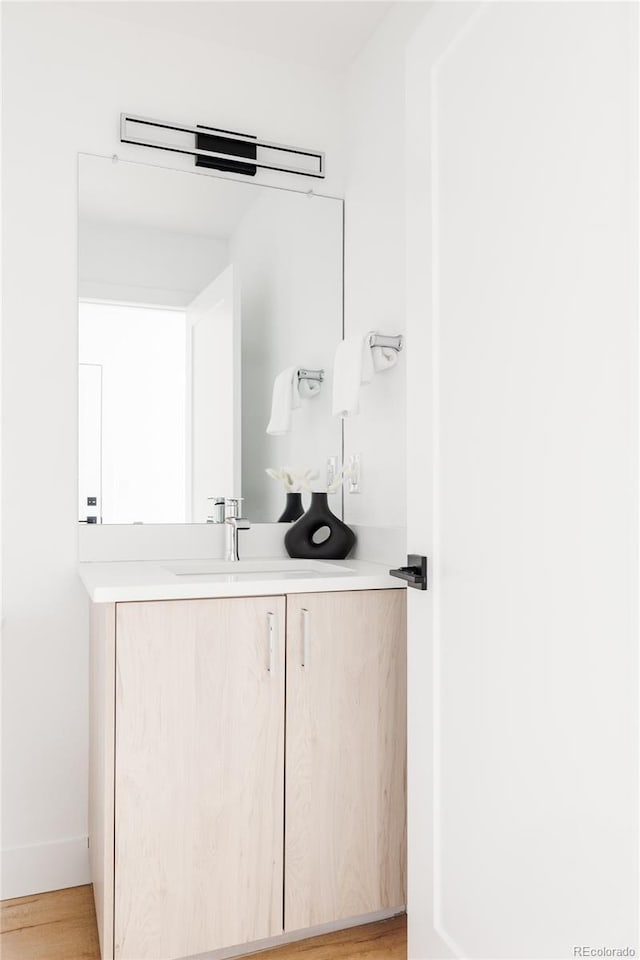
(195, 293)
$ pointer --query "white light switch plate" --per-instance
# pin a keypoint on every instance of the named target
(332, 470)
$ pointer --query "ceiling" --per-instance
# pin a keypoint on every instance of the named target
(149, 196)
(327, 34)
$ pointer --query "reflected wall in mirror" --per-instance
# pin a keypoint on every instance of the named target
(195, 292)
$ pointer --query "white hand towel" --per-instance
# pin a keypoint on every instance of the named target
(352, 367)
(308, 388)
(285, 399)
(383, 358)
(368, 371)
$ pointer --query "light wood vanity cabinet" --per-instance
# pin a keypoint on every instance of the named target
(196, 830)
(345, 820)
(199, 775)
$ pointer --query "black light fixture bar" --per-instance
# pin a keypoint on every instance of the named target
(245, 157)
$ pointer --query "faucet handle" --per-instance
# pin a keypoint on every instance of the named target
(239, 523)
(217, 514)
(232, 507)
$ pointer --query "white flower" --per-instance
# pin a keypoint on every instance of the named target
(294, 478)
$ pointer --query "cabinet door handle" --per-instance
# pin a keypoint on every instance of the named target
(305, 639)
(270, 627)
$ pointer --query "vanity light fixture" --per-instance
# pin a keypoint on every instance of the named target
(220, 149)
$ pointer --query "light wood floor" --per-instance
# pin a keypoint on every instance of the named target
(50, 926)
(62, 926)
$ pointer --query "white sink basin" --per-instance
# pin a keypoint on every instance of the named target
(256, 568)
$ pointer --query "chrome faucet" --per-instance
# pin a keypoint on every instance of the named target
(217, 510)
(233, 523)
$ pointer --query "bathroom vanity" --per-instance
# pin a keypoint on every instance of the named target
(248, 744)
(248, 728)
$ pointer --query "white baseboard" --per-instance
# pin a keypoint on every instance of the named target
(44, 866)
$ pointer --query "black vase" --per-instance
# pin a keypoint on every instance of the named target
(293, 509)
(299, 541)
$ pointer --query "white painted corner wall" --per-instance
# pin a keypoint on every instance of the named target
(375, 277)
(291, 314)
(62, 99)
(68, 70)
(139, 264)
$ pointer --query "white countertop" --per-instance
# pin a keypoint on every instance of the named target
(197, 579)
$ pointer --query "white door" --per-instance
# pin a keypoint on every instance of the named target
(522, 241)
(213, 318)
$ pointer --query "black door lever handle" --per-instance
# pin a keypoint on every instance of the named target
(415, 573)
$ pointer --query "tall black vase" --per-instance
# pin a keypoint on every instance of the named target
(299, 541)
(293, 509)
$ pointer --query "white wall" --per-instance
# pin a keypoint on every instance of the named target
(214, 429)
(137, 264)
(375, 275)
(287, 251)
(62, 99)
(68, 71)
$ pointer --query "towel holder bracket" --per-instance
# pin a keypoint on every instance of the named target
(392, 343)
(304, 374)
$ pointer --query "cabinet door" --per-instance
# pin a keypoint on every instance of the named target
(199, 775)
(345, 832)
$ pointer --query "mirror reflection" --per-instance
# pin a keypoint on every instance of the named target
(197, 295)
